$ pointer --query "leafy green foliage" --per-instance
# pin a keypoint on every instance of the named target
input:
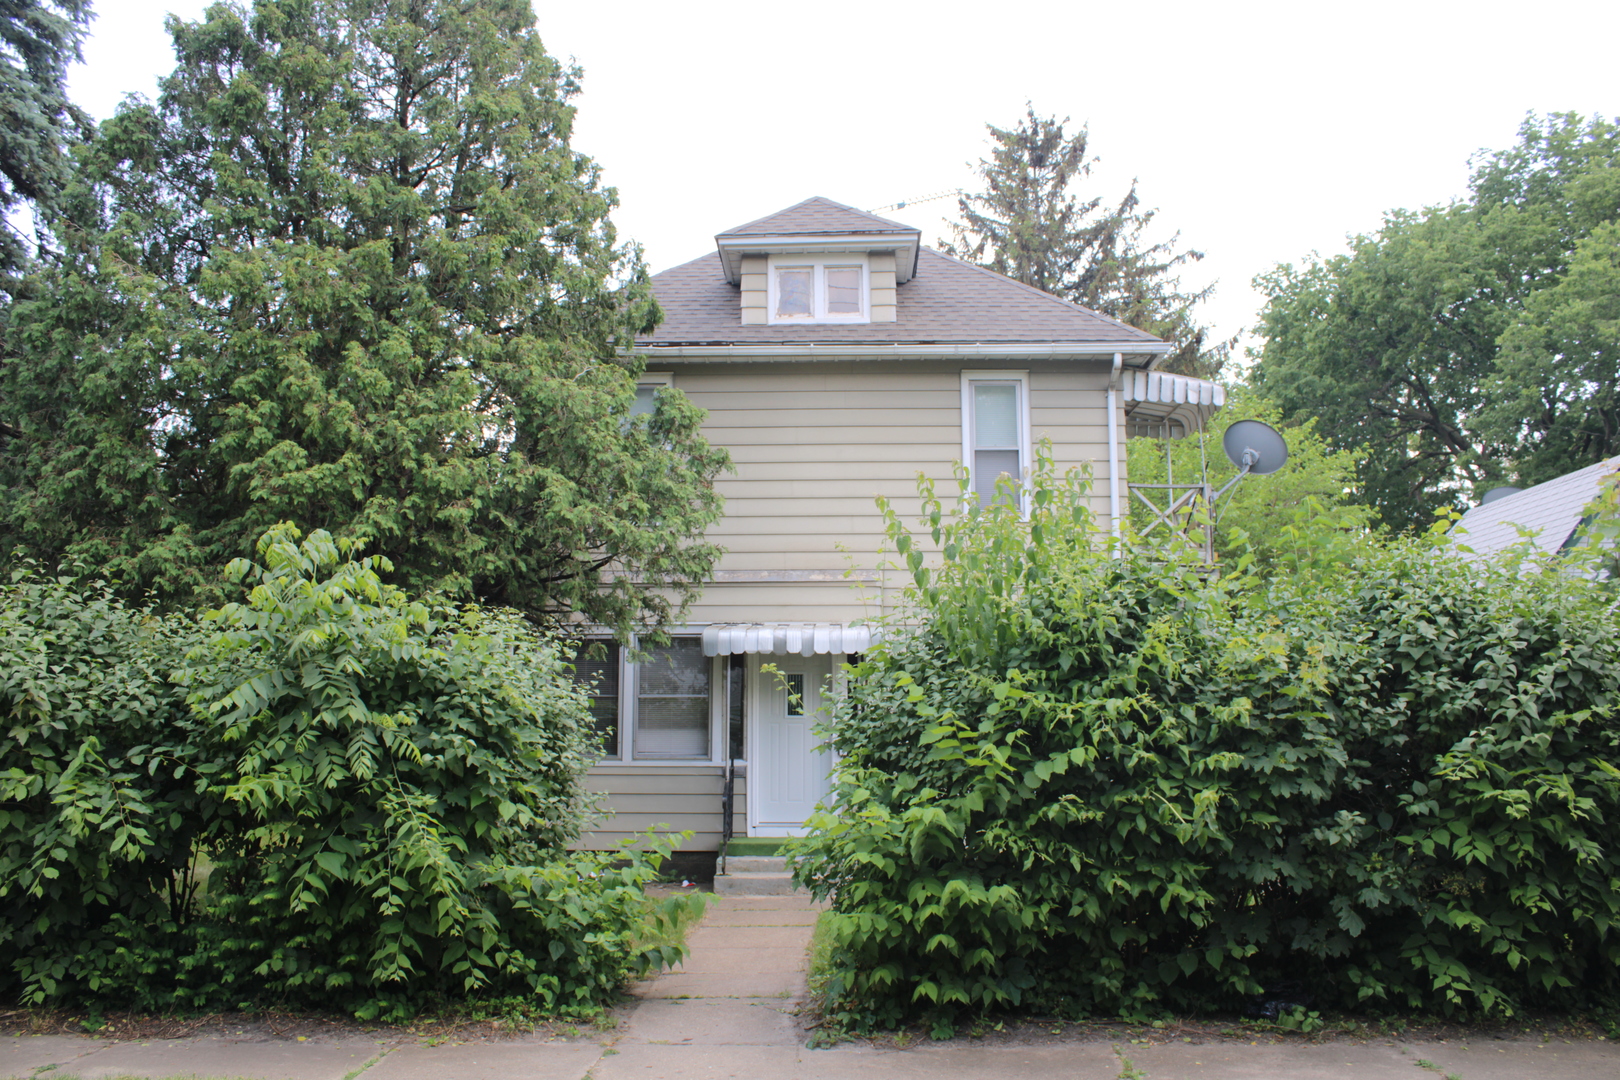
(38, 40)
(340, 797)
(1299, 517)
(99, 799)
(348, 270)
(1100, 782)
(1027, 225)
(1469, 345)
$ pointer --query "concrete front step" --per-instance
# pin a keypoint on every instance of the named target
(754, 883)
(756, 864)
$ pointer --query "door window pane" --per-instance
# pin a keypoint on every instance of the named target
(672, 702)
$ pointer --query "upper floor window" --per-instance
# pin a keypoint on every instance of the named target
(995, 430)
(647, 388)
(833, 288)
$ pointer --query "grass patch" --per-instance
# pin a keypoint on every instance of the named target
(818, 970)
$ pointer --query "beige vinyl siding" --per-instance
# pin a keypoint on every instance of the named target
(814, 444)
(881, 269)
(670, 798)
(754, 288)
(788, 601)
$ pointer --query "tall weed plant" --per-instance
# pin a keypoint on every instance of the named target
(328, 795)
(1095, 779)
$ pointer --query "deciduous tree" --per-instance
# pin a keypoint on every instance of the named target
(1470, 344)
(1295, 518)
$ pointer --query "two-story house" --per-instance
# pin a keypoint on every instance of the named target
(837, 358)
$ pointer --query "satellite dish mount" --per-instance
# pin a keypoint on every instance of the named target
(1253, 447)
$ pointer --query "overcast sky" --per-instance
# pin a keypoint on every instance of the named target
(1261, 131)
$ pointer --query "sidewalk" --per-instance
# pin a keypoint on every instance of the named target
(729, 1012)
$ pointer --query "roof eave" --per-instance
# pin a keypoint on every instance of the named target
(1145, 352)
(905, 246)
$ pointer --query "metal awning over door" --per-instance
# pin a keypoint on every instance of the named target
(1178, 404)
(785, 639)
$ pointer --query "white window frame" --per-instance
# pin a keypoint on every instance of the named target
(1026, 458)
(629, 692)
(819, 264)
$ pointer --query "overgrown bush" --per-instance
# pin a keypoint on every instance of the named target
(1102, 782)
(329, 795)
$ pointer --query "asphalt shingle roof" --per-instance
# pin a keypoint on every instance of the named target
(947, 302)
(818, 215)
(1552, 510)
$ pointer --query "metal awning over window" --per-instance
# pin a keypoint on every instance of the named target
(1175, 405)
(785, 639)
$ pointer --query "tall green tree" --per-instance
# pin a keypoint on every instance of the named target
(1468, 345)
(1029, 225)
(38, 40)
(349, 271)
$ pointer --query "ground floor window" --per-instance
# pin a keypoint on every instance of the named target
(658, 708)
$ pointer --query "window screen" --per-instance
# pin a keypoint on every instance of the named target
(672, 702)
(996, 437)
(795, 291)
(596, 666)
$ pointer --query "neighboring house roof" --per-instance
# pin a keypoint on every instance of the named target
(947, 302)
(1553, 511)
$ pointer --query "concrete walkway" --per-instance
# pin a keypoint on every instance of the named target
(729, 1012)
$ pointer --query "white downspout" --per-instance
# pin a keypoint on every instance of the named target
(1113, 447)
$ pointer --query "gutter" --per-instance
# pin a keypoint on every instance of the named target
(1113, 447)
(1154, 349)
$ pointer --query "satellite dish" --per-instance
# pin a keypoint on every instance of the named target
(1255, 447)
(1498, 493)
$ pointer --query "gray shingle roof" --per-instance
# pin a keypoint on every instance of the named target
(947, 302)
(1552, 510)
(818, 215)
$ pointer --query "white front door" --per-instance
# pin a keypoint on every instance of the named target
(787, 775)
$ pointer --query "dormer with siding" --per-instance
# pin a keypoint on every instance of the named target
(837, 359)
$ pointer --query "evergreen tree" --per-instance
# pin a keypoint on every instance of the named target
(1028, 225)
(348, 272)
(38, 39)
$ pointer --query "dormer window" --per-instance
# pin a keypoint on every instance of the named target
(818, 289)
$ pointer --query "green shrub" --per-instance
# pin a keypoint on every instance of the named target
(361, 802)
(1096, 781)
(101, 797)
